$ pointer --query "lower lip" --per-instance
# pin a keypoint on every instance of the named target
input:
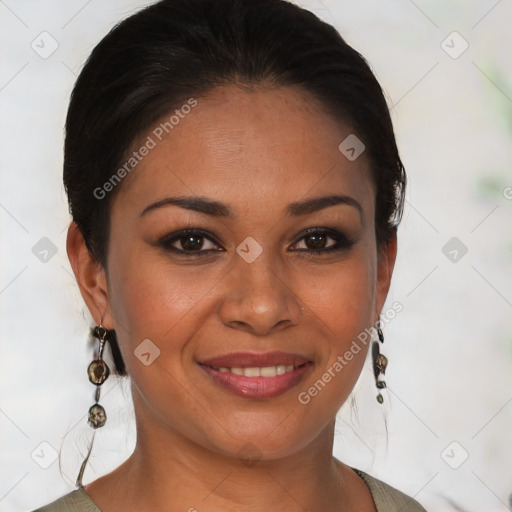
(257, 387)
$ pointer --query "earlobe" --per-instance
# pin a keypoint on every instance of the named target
(90, 277)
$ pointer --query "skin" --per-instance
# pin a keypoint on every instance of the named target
(256, 151)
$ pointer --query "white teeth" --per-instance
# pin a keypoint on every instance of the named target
(252, 372)
(256, 371)
(281, 369)
(268, 371)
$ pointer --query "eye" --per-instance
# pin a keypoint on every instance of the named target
(189, 241)
(316, 241)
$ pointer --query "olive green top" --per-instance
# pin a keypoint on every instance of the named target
(386, 498)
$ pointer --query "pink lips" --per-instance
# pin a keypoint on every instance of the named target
(257, 386)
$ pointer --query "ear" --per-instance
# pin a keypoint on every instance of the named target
(90, 276)
(386, 256)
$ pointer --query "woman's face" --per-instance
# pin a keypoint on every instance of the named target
(250, 292)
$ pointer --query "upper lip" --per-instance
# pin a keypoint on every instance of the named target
(251, 359)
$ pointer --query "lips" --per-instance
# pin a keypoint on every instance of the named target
(252, 375)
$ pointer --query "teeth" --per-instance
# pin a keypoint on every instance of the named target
(268, 371)
(281, 369)
(256, 371)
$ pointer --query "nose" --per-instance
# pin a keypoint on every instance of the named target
(259, 296)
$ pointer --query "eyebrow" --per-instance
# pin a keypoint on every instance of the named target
(218, 209)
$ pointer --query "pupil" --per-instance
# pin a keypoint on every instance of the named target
(189, 244)
(318, 241)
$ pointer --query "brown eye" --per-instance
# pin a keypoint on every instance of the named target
(318, 241)
(192, 242)
(189, 243)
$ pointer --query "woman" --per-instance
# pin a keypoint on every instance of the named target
(235, 189)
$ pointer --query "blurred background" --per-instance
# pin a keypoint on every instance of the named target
(443, 434)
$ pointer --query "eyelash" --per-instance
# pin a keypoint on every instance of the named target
(342, 241)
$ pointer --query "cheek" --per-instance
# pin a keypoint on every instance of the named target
(152, 299)
(341, 296)
(343, 303)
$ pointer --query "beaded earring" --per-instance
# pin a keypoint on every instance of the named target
(380, 363)
(98, 372)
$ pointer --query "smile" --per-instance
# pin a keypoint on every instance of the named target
(257, 375)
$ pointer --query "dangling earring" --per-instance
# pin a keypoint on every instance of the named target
(98, 372)
(380, 363)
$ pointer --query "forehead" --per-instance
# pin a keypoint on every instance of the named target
(250, 145)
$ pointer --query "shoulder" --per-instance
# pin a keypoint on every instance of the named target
(75, 501)
(387, 498)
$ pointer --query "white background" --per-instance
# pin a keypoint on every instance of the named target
(450, 370)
